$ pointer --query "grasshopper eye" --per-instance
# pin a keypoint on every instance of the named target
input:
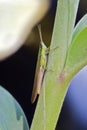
(17, 18)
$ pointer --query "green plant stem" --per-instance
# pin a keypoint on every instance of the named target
(56, 80)
(53, 103)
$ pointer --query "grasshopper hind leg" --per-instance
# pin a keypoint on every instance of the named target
(37, 84)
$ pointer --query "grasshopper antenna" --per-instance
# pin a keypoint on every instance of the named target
(40, 33)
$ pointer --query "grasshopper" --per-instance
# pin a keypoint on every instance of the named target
(40, 68)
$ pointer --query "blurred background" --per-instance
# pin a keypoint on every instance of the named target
(17, 76)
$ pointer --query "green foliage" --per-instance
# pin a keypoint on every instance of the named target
(12, 116)
(77, 54)
(68, 55)
(80, 26)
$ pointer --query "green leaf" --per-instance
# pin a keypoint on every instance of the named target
(80, 26)
(77, 55)
(12, 116)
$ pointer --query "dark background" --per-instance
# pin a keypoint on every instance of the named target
(17, 73)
